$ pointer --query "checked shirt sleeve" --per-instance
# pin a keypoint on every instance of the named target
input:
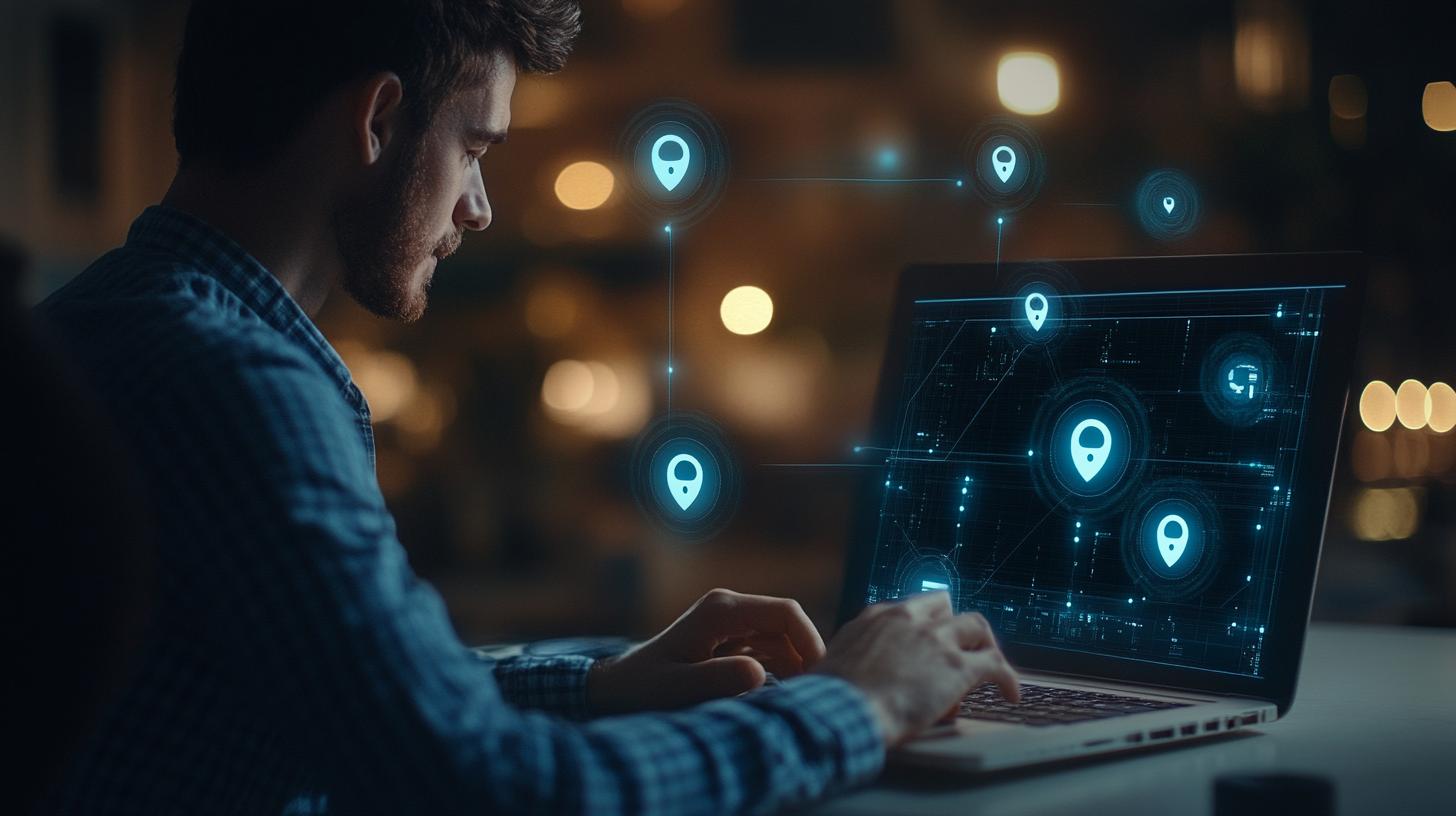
(303, 585)
(554, 683)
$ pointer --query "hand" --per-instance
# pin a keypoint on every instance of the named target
(719, 648)
(916, 660)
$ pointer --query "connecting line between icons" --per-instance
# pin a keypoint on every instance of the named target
(984, 402)
(1029, 533)
(852, 180)
(670, 271)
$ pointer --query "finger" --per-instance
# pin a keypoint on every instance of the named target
(971, 631)
(929, 605)
(990, 665)
(692, 683)
(775, 652)
(741, 615)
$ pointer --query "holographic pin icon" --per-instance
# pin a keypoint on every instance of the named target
(684, 491)
(1088, 460)
(1168, 204)
(1036, 310)
(670, 172)
(1003, 161)
(1172, 538)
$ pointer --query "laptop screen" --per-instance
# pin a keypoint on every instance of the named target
(1107, 472)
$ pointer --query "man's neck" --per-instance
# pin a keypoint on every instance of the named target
(282, 223)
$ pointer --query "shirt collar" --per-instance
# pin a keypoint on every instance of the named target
(188, 237)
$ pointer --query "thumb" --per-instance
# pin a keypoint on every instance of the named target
(709, 679)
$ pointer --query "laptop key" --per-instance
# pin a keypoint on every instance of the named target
(1044, 705)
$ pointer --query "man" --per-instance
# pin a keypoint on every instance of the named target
(334, 143)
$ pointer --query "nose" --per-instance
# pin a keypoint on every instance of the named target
(472, 211)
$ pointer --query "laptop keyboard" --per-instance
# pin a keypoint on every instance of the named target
(1044, 705)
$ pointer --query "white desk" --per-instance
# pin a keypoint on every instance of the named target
(1375, 712)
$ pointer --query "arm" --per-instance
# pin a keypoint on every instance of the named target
(303, 586)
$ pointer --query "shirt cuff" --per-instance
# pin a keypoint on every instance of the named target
(836, 716)
(553, 683)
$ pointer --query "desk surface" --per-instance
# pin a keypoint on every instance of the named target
(1375, 712)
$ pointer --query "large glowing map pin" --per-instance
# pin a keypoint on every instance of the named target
(1168, 204)
(670, 171)
(684, 491)
(1089, 460)
(1172, 538)
(1003, 161)
(1036, 310)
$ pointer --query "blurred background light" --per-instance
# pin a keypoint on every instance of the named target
(1348, 98)
(1410, 404)
(386, 378)
(746, 310)
(1027, 83)
(567, 386)
(1438, 106)
(584, 185)
(1385, 514)
(1271, 55)
(1441, 407)
(1377, 406)
(551, 309)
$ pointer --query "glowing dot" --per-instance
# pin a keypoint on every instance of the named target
(1261, 630)
(1076, 539)
(1279, 313)
(1258, 526)
(1027, 82)
(968, 478)
(963, 508)
(584, 185)
(1438, 106)
(1410, 404)
(1079, 524)
(1377, 406)
(1441, 407)
(960, 183)
(887, 483)
(965, 490)
(857, 449)
(1248, 577)
(993, 329)
(1000, 220)
(669, 369)
(1028, 453)
(1129, 600)
(888, 158)
(667, 228)
(746, 310)
(1069, 604)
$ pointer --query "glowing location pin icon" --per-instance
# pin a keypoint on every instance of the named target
(670, 172)
(1168, 204)
(1172, 538)
(1089, 461)
(684, 491)
(1036, 310)
(1003, 161)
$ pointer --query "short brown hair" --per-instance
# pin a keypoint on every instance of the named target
(252, 71)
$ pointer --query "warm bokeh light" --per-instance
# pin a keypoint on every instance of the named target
(1441, 407)
(1028, 83)
(1385, 514)
(386, 378)
(584, 185)
(1348, 99)
(539, 101)
(1377, 406)
(1438, 106)
(567, 386)
(1410, 404)
(1271, 56)
(1370, 456)
(746, 310)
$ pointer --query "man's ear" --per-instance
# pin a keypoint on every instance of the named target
(378, 115)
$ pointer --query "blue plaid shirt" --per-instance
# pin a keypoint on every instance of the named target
(294, 649)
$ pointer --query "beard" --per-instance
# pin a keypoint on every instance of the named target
(385, 235)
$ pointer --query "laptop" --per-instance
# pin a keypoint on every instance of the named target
(1125, 464)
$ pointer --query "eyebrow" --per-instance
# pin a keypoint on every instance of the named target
(485, 136)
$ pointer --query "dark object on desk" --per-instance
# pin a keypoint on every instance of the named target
(1275, 794)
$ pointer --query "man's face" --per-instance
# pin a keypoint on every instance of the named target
(422, 199)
